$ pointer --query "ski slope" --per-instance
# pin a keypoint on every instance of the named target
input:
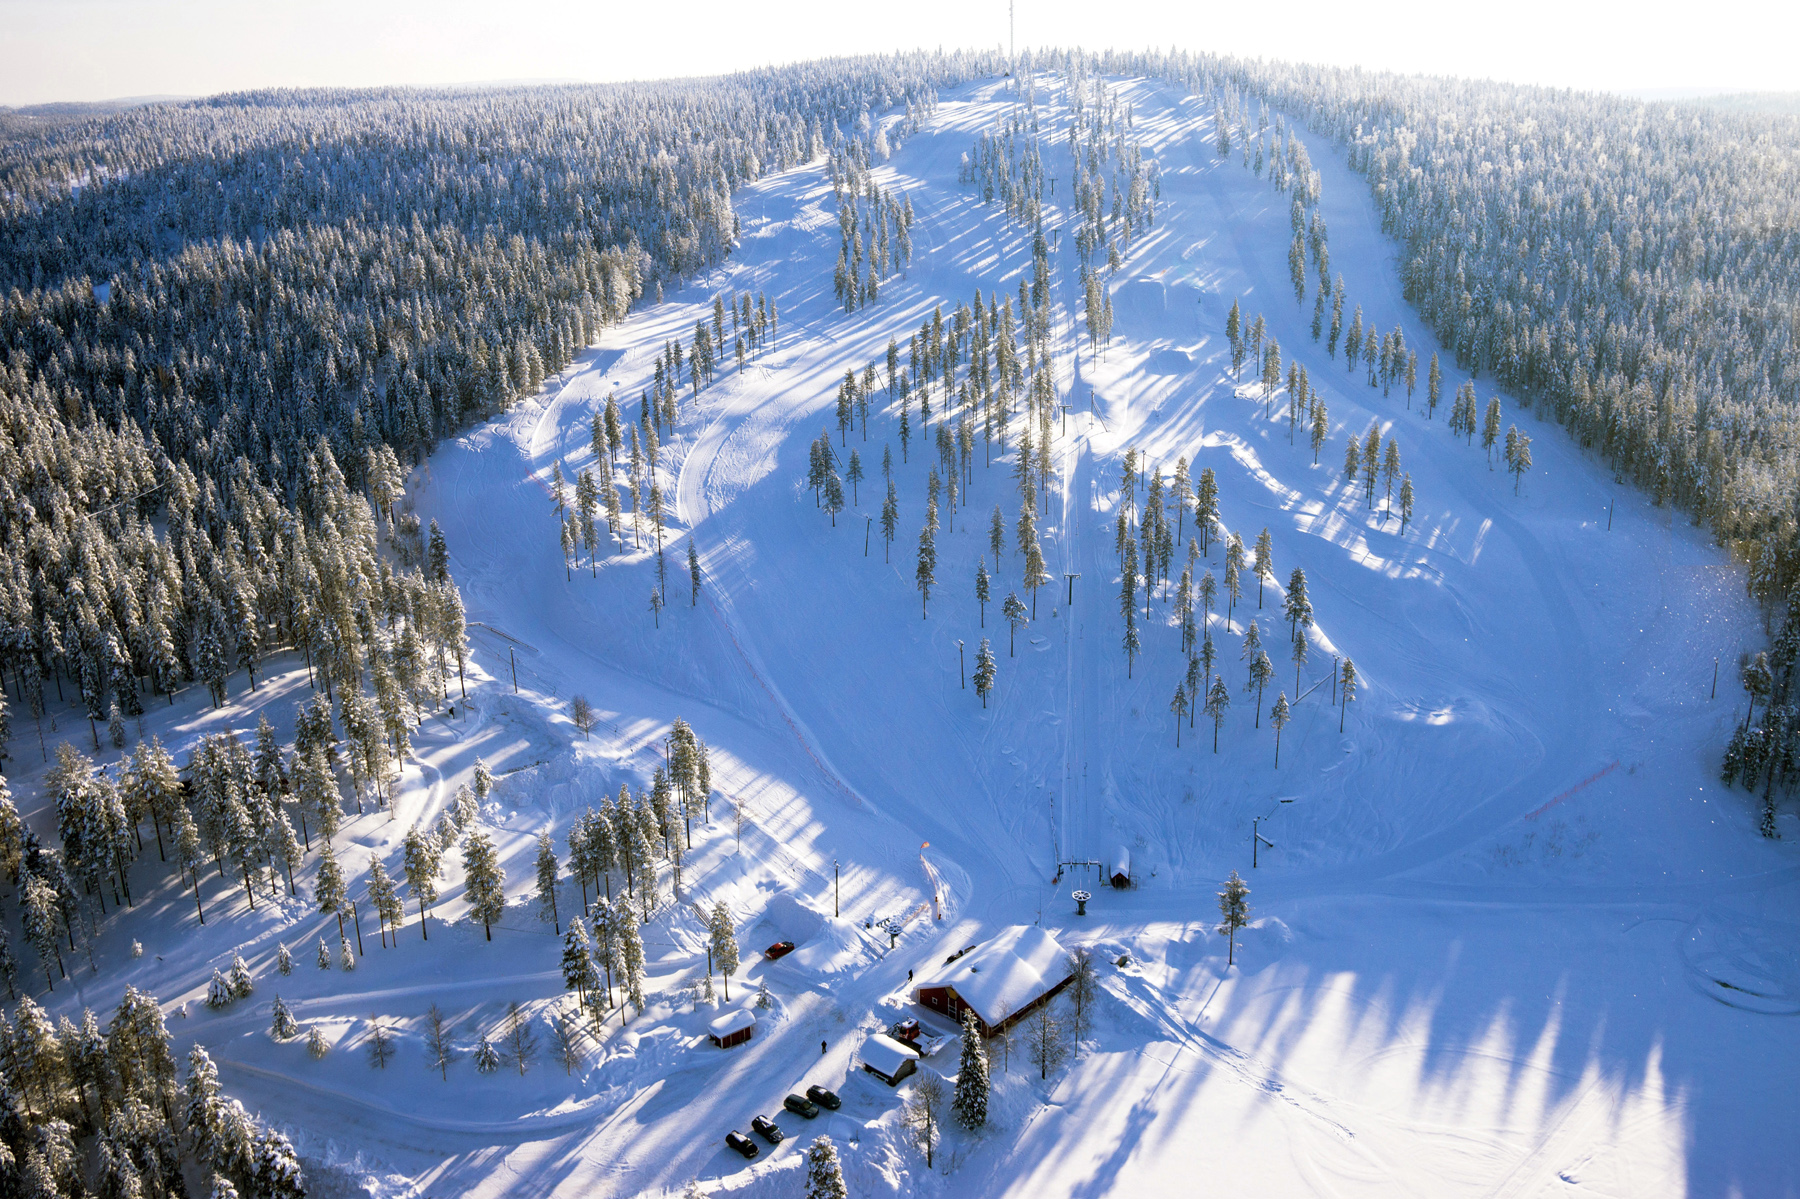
(1511, 937)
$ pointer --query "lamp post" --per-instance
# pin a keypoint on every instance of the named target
(1071, 578)
(834, 887)
(961, 672)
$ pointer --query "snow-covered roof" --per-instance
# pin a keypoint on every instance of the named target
(1122, 861)
(730, 1022)
(886, 1054)
(1002, 975)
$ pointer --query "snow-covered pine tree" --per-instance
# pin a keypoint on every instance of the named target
(722, 935)
(824, 1174)
(282, 1026)
(1346, 690)
(487, 1058)
(328, 885)
(316, 1044)
(484, 881)
(985, 671)
(421, 866)
(1218, 703)
(547, 872)
(218, 991)
(1278, 716)
(284, 961)
(324, 955)
(1234, 913)
(241, 983)
(970, 1102)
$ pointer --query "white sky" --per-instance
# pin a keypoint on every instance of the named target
(100, 49)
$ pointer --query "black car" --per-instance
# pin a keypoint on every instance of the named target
(824, 1098)
(800, 1105)
(767, 1129)
(741, 1143)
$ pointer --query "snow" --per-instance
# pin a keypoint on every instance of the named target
(1480, 962)
(1005, 974)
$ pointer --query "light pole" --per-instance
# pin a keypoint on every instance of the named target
(1257, 840)
(869, 523)
(1065, 418)
(834, 887)
(1071, 578)
(961, 672)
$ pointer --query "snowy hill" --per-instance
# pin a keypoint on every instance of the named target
(1509, 935)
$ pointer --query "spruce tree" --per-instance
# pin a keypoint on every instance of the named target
(283, 1026)
(547, 871)
(970, 1102)
(722, 935)
(985, 671)
(484, 881)
(1234, 913)
(824, 1175)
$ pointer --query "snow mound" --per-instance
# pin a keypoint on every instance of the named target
(1145, 297)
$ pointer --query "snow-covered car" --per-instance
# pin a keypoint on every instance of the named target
(824, 1098)
(778, 950)
(767, 1129)
(741, 1143)
(906, 1030)
(800, 1105)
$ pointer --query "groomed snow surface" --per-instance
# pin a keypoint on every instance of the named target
(1511, 937)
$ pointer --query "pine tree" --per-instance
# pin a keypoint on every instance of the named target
(824, 1175)
(926, 573)
(1490, 429)
(328, 887)
(1265, 563)
(484, 881)
(970, 1102)
(982, 591)
(487, 1058)
(578, 970)
(693, 558)
(284, 960)
(381, 1045)
(242, 985)
(985, 671)
(722, 935)
(283, 1026)
(218, 991)
(385, 897)
(316, 1045)
(421, 866)
(1518, 458)
(1346, 690)
(1179, 706)
(1234, 913)
(324, 955)
(547, 871)
(1278, 716)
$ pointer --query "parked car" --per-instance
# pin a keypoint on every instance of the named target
(824, 1098)
(800, 1105)
(778, 950)
(907, 1030)
(741, 1143)
(767, 1129)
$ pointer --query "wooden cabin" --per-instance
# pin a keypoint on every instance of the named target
(733, 1028)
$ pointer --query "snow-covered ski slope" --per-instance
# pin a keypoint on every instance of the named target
(1502, 904)
(1511, 937)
